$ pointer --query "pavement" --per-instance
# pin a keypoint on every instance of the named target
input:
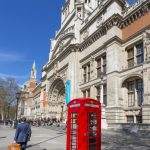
(54, 138)
(125, 140)
(41, 139)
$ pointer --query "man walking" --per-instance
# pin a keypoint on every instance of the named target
(23, 133)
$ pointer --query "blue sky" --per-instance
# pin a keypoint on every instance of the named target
(132, 1)
(25, 29)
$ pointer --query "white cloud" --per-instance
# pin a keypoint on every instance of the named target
(11, 57)
(2, 75)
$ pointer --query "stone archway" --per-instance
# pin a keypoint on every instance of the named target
(57, 107)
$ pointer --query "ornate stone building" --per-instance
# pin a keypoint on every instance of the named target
(103, 49)
(26, 98)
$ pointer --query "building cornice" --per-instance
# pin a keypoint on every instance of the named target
(136, 34)
(114, 20)
(67, 51)
(134, 15)
(99, 10)
(58, 71)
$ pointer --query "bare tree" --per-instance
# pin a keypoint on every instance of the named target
(8, 90)
(3, 94)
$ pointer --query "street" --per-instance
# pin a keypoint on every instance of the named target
(44, 138)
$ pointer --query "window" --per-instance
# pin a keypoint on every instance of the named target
(101, 66)
(140, 55)
(135, 55)
(135, 88)
(86, 73)
(139, 119)
(139, 91)
(105, 94)
(87, 1)
(98, 68)
(131, 94)
(86, 93)
(104, 65)
(131, 57)
(98, 93)
(130, 119)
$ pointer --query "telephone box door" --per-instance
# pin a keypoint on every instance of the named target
(72, 130)
(93, 131)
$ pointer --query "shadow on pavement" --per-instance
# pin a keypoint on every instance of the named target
(32, 145)
(3, 137)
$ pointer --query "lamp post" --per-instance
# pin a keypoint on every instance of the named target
(103, 107)
(62, 107)
(102, 88)
(18, 94)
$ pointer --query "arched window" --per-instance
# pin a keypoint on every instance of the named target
(135, 92)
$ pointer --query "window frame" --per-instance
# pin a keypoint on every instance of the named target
(135, 87)
(135, 54)
(101, 64)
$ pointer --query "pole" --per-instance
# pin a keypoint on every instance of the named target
(16, 120)
(17, 110)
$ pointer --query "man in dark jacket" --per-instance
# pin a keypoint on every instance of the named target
(23, 133)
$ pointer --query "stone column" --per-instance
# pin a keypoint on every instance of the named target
(146, 102)
(101, 93)
(114, 111)
(146, 40)
(103, 107)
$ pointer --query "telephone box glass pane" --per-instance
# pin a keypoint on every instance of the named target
(92, 131)
(73, 132)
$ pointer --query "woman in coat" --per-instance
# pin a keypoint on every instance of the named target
(23, 133)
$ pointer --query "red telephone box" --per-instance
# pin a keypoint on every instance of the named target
(84, 125)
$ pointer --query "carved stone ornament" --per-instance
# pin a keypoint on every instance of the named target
(85, 34)
(99, 21)
(92, 64)
(146, 40)
(61, 44)
(99, 2)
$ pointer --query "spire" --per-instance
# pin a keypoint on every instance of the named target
(33, 71)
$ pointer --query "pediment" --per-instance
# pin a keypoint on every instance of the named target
(62, 43)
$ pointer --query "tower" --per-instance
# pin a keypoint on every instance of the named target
(32, 81)
(33, 71)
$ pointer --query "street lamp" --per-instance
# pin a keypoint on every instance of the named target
(62, 107)
(101, 88)
(18, 94)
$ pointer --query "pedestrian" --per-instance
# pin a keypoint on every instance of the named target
(23, 133)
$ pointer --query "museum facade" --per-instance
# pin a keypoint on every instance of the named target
(102, 51)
